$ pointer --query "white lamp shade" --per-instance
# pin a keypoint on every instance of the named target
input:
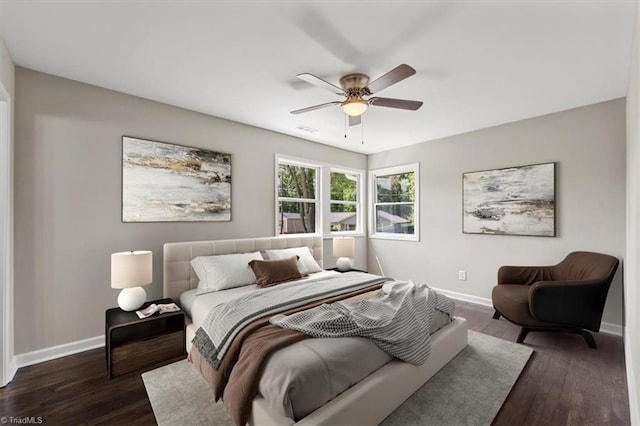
(131, 269)
(344, 247)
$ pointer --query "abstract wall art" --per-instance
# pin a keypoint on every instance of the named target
(163, 182)
(510, 201)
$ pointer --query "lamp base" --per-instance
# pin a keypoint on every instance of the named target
(343, 264)
(132, 298)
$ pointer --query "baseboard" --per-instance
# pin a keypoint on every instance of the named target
(13, 369)
(605, 327)
(10, 373)
(46, 354)
(465, 297)
(610, 328)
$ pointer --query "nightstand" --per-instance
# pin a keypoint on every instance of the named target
(133, 343)
(350, 270)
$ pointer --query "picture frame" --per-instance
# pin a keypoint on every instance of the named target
(510, 201)
(165, 182)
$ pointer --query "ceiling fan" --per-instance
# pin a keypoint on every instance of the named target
(354, 87)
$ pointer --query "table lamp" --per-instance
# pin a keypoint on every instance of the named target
(129, 271)
(344, 248)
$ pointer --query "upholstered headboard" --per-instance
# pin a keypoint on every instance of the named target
(179, 276)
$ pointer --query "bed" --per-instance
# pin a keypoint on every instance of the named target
(369, 400)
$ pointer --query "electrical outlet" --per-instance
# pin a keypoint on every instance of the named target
(462, 275)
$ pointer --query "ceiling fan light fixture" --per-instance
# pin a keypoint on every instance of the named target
(354, 107)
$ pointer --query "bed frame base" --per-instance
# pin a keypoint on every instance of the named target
(371, 400)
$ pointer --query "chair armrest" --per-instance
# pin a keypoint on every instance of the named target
(525, 275)
(573, 303)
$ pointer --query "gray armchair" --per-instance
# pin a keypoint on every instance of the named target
(567, 297)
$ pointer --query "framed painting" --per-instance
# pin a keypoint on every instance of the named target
(163, 182)
(511, 201)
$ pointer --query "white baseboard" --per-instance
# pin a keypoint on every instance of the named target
(605, 327)
(46, 354)
(610, 328)
(13, 368)
(10, 373)
(465, 297)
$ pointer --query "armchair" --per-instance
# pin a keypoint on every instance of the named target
(568, 297)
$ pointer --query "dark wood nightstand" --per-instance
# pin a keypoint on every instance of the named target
(133, 343)
(350, 270)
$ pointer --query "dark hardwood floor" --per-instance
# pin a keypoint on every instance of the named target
(75, 390)
(564, 383)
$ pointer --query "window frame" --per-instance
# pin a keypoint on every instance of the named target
(281, 159)
(359, 203)
(373, 174)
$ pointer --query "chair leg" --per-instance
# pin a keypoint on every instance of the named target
(496, 315)
(523, 333)
(588, 337)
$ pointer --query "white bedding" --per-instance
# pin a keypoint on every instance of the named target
(197, 306)
(302, 377)
(367, 402)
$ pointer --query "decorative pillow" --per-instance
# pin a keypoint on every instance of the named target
(272, 272)
(306, 263)
(224, 271)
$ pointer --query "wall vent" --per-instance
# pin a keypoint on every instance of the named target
(306, 129)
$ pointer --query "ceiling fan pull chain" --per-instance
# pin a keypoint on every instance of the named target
(362, 129)
(346, 118)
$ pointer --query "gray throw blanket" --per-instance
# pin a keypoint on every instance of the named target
(397, 320)
(226, 320)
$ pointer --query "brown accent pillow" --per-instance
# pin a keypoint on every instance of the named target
(272, 272)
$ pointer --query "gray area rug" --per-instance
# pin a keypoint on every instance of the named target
(469, 390)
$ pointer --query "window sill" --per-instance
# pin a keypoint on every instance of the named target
(343, 234)
(397, 237)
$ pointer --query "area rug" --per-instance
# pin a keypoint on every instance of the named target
(469, 390)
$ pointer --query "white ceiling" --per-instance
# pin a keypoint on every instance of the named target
(479, 63)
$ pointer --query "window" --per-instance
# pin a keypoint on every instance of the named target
(394, 213)
(318, 198)
(298, 197)
(345, 209)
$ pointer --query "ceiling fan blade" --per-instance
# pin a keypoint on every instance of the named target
(354, 121)
(317, 81)
(313, 22)
(396, 103)
(313, 108)
(397, 74)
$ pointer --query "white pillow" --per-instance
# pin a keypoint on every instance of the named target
(306, 263)
(224, 271)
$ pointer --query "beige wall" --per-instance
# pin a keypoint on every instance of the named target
(632, 266)
(588, 145)
(68, 161)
